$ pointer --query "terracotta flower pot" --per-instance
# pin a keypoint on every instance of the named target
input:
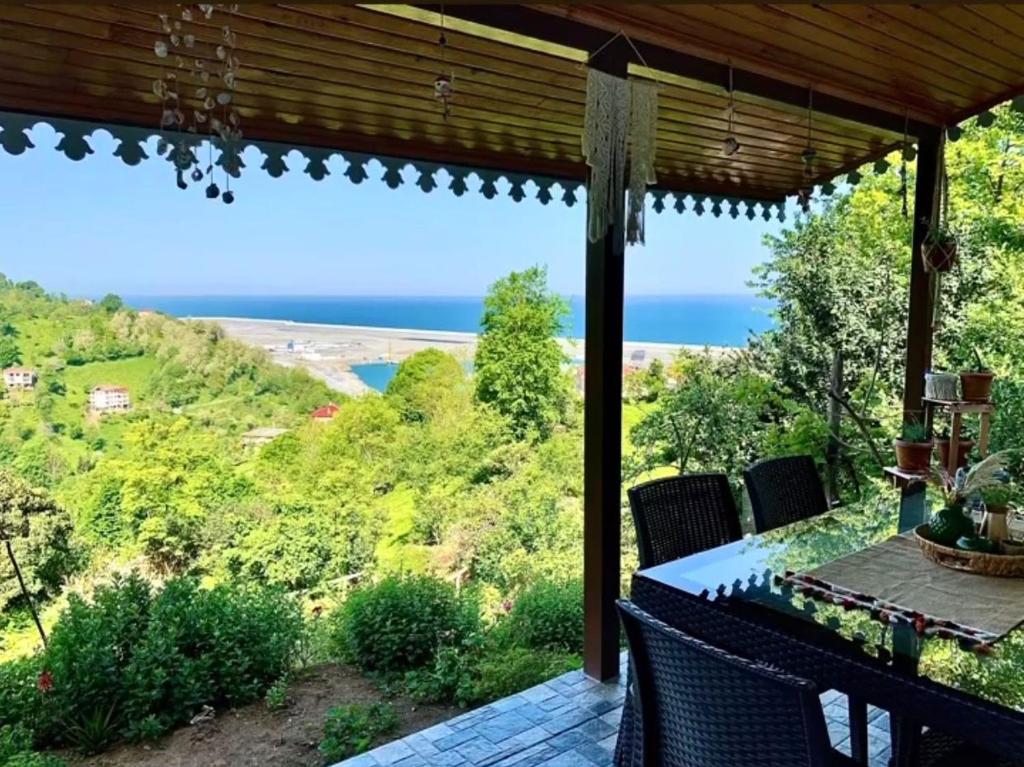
(913, 456)
(976, 387)
(962, 450)
(938, 255)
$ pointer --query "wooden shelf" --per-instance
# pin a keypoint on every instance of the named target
(905, 479)
(961, 406)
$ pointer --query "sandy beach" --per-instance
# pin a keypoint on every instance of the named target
(330, 351)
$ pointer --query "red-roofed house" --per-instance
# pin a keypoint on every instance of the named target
(110, 399)
(326, 413)
(19, 378)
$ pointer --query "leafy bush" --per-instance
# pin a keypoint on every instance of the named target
(548, 616)
(350, 730)
(507, 672)
(277, 696)
(401, 622)
(451, 678)
(16, 750)
(134, 664)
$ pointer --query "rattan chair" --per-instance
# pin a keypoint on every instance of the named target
(699, 706)
(783, 491)
(679, 516)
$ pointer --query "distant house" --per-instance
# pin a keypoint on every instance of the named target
(110, 399)
(20, 378)
(261, 436)
(326, 413)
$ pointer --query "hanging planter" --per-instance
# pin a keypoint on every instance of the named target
(939, 250)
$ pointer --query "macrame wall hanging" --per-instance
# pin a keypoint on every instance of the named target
(621, 120)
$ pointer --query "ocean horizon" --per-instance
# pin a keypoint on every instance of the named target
(701, 320)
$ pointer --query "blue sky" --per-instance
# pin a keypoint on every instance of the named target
(95, 226)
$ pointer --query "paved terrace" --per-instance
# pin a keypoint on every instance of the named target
(570, 721)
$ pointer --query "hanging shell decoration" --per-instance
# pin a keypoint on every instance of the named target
(444, 90)
(197, 93)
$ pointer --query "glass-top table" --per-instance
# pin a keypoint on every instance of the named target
(738, 590)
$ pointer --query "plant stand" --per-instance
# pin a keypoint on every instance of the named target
(957, 410)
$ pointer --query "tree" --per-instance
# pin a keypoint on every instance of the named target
(518, 364)
(36, 535)
(111, 303)
(425, 382)
(10, 354)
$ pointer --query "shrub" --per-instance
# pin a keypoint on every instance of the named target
(16, 750)
(134, 664)
(548, 616)
(21, 702)
(513, 670)
(349, 730)
(277, 696)
(399, 623)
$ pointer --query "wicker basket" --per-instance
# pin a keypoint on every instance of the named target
(1001, 565)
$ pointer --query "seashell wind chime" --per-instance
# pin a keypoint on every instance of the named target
(197, 97)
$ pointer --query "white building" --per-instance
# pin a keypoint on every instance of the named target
(20, 378)
(110, 399)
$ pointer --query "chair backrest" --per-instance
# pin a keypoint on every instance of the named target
(679, 516)
(784, 490)
(699, 706)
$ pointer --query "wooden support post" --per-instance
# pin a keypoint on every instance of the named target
(919, 328)
(602, 426)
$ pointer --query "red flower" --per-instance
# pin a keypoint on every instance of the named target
(45, 682)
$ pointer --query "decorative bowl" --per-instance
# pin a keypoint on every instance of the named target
(981, 563)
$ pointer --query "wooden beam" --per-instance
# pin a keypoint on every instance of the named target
(602, 430)
(919, 326)
(528, 22)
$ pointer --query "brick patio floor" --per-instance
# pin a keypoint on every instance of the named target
(570, 721)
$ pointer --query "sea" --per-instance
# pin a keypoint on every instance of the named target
(712, 320)
(702, 320)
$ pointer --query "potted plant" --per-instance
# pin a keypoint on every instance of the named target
(950, 525)
(976, 385)
(964, 447)
(913, 448)
(997, 498)
(939, 248)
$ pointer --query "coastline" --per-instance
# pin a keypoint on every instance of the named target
(330, 352)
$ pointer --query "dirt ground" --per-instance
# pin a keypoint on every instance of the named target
(254, 736)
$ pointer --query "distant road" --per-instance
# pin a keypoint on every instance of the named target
(330, 351)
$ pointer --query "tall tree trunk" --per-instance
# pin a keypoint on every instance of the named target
(835, 413)
(24, 590)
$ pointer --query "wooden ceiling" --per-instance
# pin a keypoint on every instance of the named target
(361, 78)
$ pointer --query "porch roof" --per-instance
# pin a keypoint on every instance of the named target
(360, 78)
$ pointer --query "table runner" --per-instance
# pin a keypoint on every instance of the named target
(896, 582)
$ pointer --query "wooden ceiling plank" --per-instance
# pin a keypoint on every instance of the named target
(487, 110)
(277, 57)
(979, 27)
(943, 33)
(388, 28)
(358, 119)
(793, 127)
(872, 17)
(879, 42)
(730, 28)
(876, 109)
(363, 57)
(69, 106)
(590, 25)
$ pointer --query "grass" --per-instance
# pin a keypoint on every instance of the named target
(394, 551)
